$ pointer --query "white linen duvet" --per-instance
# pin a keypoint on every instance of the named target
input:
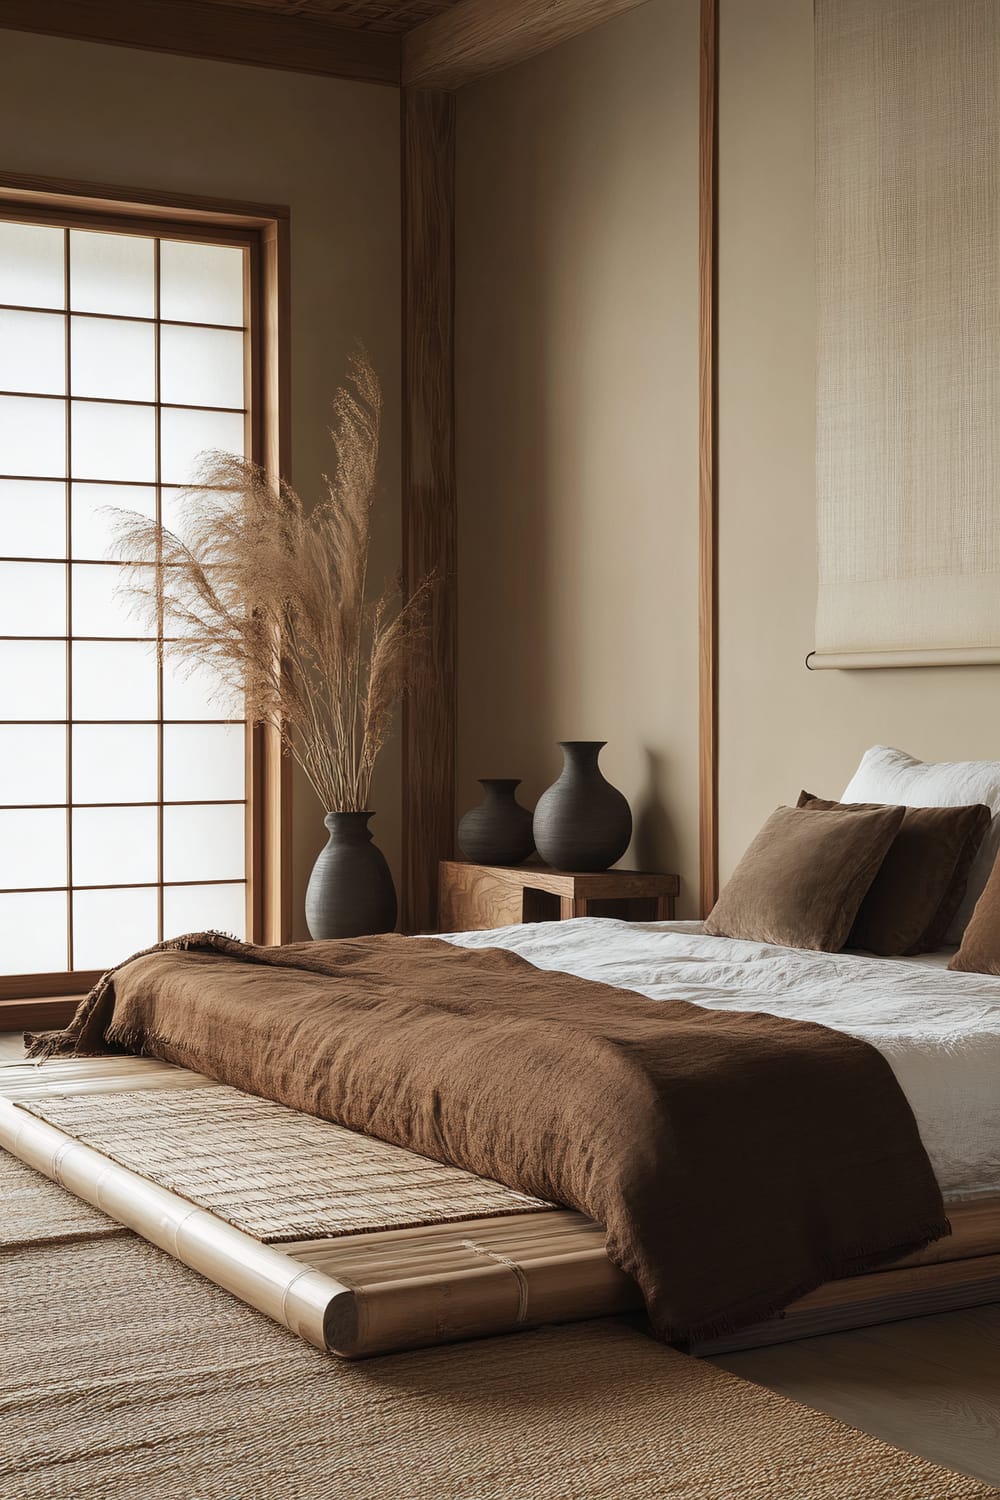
(939, 1031)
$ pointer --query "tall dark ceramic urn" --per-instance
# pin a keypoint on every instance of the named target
(582, 822)
(350, 891)
(498, 831)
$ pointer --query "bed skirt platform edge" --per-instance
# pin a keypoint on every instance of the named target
(382, 1291)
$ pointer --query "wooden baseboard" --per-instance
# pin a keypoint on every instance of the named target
(41, 1014)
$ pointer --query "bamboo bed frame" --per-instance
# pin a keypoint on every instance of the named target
(376, 1292)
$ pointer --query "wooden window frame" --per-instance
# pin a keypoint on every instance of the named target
(264, 230)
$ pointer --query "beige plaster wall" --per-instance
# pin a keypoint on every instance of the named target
(577, 420)
(328, 149)
(782, 727)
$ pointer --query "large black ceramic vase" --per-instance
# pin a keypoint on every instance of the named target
(498, 831)
(350, 891)
(582, 822)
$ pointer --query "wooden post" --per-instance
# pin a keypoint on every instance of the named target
(708, 508)
(429, 503)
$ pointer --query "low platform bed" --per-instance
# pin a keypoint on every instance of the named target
(939, 1031)
(405, 1286)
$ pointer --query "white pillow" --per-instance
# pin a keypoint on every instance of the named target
(887, 775)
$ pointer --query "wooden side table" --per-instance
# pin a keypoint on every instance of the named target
(473, 897)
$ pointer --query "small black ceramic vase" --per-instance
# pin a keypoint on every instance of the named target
(498, 831)
(582, 822)
(350, 891)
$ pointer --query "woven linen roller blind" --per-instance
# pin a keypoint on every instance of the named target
(908, 313)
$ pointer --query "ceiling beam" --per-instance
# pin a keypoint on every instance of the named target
(480, 37)
(222, 33)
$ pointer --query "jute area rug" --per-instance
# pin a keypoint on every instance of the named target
(35, 1211)
(126, 1375)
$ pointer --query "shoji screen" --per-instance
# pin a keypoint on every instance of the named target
(123, 355)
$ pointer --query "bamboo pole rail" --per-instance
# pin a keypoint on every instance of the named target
(278, 1286)
(380, 1291)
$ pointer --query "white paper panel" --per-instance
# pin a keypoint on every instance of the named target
(32, 518)
(201, 283)
(32, 437)
(113, 680)
(203, 761)
(31, 265)
(908, 326)
(174, 508)
(112, 358)
(113, 442)
(33, 931)
(203, 843)
(109, 926)
(32, 848)
(32, 763)
(93, 527)
(186, 436)
(200, 908)
(201, 367)
(115, 763)
(33, 674)
(98, 607)
(114, 845)
(33, 352)
(111, 273)
(180, 504)
(32, 599)
(197, 694)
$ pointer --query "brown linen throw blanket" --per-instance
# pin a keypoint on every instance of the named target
(736, 1160)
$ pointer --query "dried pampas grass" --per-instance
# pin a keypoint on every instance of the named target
(274, 599)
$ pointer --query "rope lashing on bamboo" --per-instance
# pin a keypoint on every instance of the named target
(513, 1267)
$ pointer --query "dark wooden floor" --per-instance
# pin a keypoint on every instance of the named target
(930, 1385)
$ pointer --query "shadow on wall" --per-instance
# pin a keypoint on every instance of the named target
(654, 840)
(508, 673)
(537, 292)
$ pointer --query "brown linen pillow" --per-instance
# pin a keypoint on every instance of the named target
(980, 950)
(802, 879)
(919, 888)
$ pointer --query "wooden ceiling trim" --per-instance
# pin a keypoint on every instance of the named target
(392, 16)
(479, 37)
(436, 44)
(198, 28)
